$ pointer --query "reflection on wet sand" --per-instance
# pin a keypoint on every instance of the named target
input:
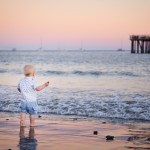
(29, 142)
(140, 137)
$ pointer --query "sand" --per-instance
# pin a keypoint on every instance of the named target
(53, 132)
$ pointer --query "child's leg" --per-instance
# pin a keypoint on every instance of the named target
(32, 120)
(22, 119)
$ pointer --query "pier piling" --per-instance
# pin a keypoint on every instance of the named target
(140, 44)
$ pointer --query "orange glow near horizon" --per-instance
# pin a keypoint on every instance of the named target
(99, 24)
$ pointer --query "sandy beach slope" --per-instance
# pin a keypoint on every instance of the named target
(72, 133)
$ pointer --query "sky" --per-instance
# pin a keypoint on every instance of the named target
(72, 24)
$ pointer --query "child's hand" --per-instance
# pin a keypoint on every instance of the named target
(46, 84)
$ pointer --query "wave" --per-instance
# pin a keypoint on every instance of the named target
(95, 73)
(56, 72)
(3, 71)
(85, 103)
(76, 73)
(91, 73)
(99, 109)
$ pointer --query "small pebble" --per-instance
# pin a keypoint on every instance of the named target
(40, 116)
(103, 122)
(132, 138)
(95, 132)
(109, 137)
(148, 139)
(7, 119)
(9, 149)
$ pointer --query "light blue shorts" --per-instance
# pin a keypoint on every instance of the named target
(29, 107)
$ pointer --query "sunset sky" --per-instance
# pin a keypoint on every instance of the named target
(65, 24)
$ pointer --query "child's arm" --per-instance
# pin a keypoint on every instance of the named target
(41, 87)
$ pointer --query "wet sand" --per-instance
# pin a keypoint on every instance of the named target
(72, 133)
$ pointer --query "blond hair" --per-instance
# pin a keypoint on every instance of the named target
(28, 70)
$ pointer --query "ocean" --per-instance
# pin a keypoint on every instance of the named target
(100, 84)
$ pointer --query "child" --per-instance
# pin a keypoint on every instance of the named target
(28, 89)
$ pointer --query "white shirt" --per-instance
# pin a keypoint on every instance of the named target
(27, 87)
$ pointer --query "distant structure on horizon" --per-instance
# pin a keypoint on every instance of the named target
(41, 44)
(14, 49)
(140, 44)
(81, 46)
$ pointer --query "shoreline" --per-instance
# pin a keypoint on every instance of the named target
(72, 132)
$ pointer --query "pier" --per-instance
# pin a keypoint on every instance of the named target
(140, 44)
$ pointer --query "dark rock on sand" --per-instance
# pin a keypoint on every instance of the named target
(40, 116)
(7, 119)
(95, 132)
(104, 122)
(132, 138)
(109, 137)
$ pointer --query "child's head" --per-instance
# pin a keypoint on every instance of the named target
(29, 70)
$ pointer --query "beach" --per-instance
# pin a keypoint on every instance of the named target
(72, 132)
(82, 67)
(92, 94)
